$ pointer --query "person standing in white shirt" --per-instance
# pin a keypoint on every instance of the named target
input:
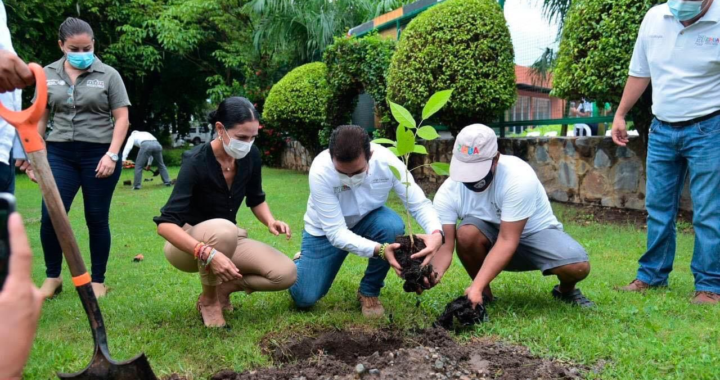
(150, 149)
(349, 186)
(14, 75)
(506, 221)
(678, 49)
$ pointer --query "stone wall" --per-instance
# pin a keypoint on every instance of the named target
(587, 170)
(296, 157)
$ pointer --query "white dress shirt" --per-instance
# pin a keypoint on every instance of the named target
(136, 139)
(11, 100)
(333, 209)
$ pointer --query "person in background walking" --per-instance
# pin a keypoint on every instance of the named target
(89, 107)
(150, 149)
(678, 49)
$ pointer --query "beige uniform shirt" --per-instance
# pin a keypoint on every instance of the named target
(83, 112)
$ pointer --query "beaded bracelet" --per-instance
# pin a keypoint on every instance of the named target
(383, 248)
(198, 247)
(205, 253)
(211, 257)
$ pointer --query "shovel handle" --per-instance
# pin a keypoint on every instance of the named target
(26, 121)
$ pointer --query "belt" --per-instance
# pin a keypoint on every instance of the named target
(693, 121)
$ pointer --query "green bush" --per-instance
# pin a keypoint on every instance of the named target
(595, 52)
(357, 65)
(462, 45)
(298, 104)
(173, 157)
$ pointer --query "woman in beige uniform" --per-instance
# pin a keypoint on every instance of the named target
(199, 223)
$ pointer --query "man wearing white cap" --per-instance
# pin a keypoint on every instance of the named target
(506, 221)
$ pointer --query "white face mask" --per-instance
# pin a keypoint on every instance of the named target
(237, 149)
(354, 181)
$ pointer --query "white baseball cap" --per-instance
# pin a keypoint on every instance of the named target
(473, 153)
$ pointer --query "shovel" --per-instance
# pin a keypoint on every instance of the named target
(101, 366)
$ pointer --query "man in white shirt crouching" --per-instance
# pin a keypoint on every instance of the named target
(349, 186)
(506, 221)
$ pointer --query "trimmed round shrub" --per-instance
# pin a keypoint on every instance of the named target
(595, 51)
(298, 104)
(462, 45)
(357, 65)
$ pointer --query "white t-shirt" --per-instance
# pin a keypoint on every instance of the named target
(333, 208)
(136, 139)
(515, 194)
(683, 63)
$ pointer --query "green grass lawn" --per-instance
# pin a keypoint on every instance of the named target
(150, 307)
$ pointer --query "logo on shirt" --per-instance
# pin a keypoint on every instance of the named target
(55, 82)
(340, 189)
(95, 83)
(657, 36)
(380, 180)
(707, 41)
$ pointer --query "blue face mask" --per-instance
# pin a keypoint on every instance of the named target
(81, 61)
(684, 10)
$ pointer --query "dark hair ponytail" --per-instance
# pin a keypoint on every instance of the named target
(233, 111)
(72, 27)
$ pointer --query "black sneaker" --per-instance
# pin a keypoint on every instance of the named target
(574, 298)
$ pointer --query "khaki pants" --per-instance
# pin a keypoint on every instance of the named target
(263, 267)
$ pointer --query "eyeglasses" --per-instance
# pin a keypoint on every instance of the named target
(71, 94)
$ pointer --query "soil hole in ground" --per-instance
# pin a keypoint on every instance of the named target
(345, 346)
(424, 354)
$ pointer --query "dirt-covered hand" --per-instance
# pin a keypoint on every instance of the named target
(430, 282)
(433, 242)
(390, 257)
(224, 268)
(474, 295)
(277, 227)
(23, 165)
(20, 304)
(31, 174)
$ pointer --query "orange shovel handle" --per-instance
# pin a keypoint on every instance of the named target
(26, 121)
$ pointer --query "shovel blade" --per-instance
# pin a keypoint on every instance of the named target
(103, 367)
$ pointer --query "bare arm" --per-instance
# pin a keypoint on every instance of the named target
(497, 259)
(42, 124)
(276, 227)
(221, 265)
(443, 258)
(122, 123)
(178, 237)
(634, 88)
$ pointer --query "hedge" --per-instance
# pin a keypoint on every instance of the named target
(357, 65)
(462, 45)
(298, 104)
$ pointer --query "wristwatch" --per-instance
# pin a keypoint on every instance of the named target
(112, 156)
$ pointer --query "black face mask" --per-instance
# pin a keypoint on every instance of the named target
(480, 185)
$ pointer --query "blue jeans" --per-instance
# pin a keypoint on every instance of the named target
(7, 176)
(320, 261)
(673, 153)
(73, 165)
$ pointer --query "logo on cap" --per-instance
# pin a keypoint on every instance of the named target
(464, 149)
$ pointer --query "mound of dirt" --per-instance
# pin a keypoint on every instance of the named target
(428, 354)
